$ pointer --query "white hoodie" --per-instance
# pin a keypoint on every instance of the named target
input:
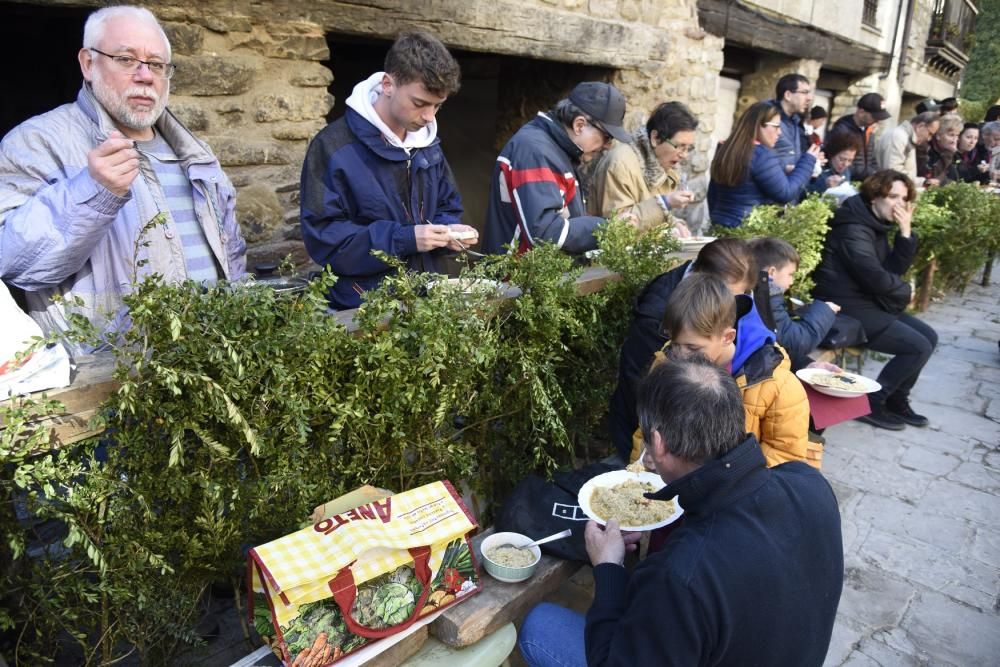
(362, 100)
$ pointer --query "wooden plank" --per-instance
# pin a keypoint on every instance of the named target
(755, 28)
(499, 603)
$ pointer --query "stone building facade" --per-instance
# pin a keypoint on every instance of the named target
(259, 79)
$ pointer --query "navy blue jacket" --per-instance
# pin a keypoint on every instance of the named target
(801, 335)
(793, 141)
(764, 183)
(360, 193)
(752, 577)
(535, 194)
(645, 336)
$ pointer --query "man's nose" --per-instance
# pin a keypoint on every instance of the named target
(143, 73)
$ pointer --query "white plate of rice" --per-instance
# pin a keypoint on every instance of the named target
(840, 385)
(648, 514)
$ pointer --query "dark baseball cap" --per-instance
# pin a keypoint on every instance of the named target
(603, 103)
(875, 105)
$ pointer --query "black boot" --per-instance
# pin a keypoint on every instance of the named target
(882, 418)
(902, 409)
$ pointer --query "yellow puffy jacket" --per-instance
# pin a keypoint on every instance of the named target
(776, 407)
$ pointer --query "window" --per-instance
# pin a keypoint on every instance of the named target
(869, 12)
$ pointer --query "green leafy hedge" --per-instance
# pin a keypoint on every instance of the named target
(957, 225)
(239, 410)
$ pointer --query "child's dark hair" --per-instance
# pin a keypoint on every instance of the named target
(420, 56)
(701, 304)
(772, 251)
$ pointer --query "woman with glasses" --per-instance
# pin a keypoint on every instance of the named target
(746, 171)
(641, 178)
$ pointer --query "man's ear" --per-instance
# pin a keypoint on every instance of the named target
(387, 85)
(729, 336)
(654, 139)
(771, 270)
(578, 124)
(86, 58)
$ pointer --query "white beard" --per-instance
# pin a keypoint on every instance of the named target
(119, 109)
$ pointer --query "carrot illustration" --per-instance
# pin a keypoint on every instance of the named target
(302, 659)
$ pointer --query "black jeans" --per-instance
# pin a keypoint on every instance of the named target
(911, 342)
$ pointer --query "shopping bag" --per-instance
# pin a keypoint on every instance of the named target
(363, 575)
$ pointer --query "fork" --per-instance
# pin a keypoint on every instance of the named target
(164, 160)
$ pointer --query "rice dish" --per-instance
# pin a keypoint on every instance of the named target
(836, 381)
(509, 556)
(626, 503)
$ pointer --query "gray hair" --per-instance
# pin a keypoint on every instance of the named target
(93, 29)
(950, 122)
(566, 112)
(694, 405)
(925, 118)
(991, 128)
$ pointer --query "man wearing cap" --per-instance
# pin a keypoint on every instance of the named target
(864, 122)
(536, 195)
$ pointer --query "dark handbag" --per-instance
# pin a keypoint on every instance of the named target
(537, 508)
(845, 332)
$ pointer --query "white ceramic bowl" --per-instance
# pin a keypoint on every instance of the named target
(511, 575)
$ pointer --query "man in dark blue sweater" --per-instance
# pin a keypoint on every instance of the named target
(752, 577)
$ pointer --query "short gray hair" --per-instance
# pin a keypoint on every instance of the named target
(93, 29)
(925, 118)
(565, 112)
(694, 405)
(991, 128)
(950, 122)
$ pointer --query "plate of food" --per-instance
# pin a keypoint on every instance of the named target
(695, 242)
(841, 385)
(463, 234)
(619, 495)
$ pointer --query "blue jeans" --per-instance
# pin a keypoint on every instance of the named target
(552, 636)
(912, 342)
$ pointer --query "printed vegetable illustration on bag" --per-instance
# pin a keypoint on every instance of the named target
(358, 576)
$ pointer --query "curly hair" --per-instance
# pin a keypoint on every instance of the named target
(880, 183)
(420, 56)
(839, 141)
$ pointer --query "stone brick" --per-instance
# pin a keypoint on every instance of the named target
(184, 38)
(191, 115)
(953, 633)
(960, 502)
(976, 476)
(297, 131)
(873, 598)
(295, 106)
(213, 75)
(986, 546)
(928, 460)
(233, 152)
(284, 40)
(924, 525)
(276, 252)
(258, 211)
(312, 75)
(226, 23)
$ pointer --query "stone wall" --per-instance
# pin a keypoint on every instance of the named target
(252, 81)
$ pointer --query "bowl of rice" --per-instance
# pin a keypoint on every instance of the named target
(506, 563)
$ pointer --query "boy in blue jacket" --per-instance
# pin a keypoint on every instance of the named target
(799, 335)
(376, 179)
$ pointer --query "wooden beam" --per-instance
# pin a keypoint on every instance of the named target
(752, 27)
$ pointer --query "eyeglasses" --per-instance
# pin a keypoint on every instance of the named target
(773, 124)
(684, 149)
(132, 65)
(604, 133)
(803, 92)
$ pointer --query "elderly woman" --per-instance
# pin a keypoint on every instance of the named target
(746, 171)
(841, 147)
(862, 272)
(942, 167)
(641, 177)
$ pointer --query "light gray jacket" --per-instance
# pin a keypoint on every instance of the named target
(61, 233)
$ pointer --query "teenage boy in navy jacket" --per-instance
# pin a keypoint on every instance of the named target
(376, 179)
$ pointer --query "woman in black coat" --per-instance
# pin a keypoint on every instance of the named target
(862, 272)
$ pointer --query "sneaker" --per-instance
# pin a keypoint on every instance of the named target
(882, 418)
(906, 413)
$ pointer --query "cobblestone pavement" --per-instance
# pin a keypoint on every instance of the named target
(920, 509)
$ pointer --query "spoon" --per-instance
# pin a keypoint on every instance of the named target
(550, 538)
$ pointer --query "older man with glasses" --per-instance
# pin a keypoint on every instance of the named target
(80, 184)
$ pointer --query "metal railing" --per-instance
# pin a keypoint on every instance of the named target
(952, 23)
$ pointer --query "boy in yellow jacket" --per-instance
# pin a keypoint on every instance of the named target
(704, 318)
